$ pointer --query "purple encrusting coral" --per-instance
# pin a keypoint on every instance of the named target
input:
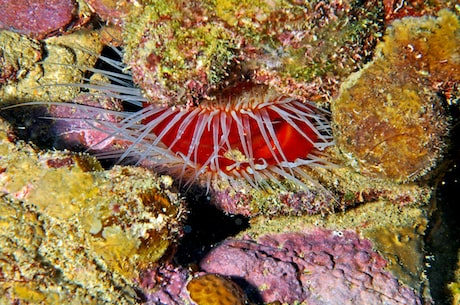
(165, 284)
(311, 201)
(317, 267)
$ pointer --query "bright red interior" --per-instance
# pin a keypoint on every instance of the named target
(291, 142)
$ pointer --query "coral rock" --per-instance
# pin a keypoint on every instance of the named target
(182, 52)
(36, 18)
(31, 69)
(389, 117)
(93, 229)
(111, 10)
(317, 267)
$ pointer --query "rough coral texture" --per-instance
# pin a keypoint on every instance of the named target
(166, 284)
(31, 69)
(215, 289)
(390, 236)
(328, 189)
(93, 229)
(389, 118)
(316, 267)
(36, 18)
(111, 10)
(176, 285)
(17, 55)
(182, 52)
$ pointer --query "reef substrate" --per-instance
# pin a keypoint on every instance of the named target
(371, 212)
(181, 52)
(373, 254)
(390, 117)
(70, 230)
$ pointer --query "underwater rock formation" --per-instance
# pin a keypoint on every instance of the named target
(390, 119)
(93, 230)
(120, 226)
(37, 18)
(30, 69)
(372, 254)
(182, 52)
(318, 267)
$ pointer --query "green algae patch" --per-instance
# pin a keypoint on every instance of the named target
(171, 47)
(389, 117)
(95, 230)
(183, 52)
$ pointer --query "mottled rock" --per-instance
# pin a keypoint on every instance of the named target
(37, 18)
(93, 230)
(316, 267)
(183, 52)
(111, 10)
(32, 70)
(390, 119)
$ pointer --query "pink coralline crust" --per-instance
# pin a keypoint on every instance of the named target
(85, 128)
(166, 284)
(318, 267)
(36, 18)
(237, 204)
(290, 203)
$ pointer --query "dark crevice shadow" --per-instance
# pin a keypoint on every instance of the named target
(252, 292)
(30, 124)
(205, 226)
(443, 233)
(34, 123)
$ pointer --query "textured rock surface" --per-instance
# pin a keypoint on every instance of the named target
(31, 69)
(36, 18)
(318, 267)
(390, 119)
(369, 255)
(71, 230)
(379, 219)
(182, 52)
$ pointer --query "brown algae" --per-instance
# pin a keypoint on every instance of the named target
(96, 230)
(389, 118)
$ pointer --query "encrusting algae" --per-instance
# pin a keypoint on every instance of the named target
(27, 75)
(79, 228)
(183, 52)
(389, 118)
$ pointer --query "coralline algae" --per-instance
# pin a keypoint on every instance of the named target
(174, 285)
(37, 18)
(316, 267)
(372, 254)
